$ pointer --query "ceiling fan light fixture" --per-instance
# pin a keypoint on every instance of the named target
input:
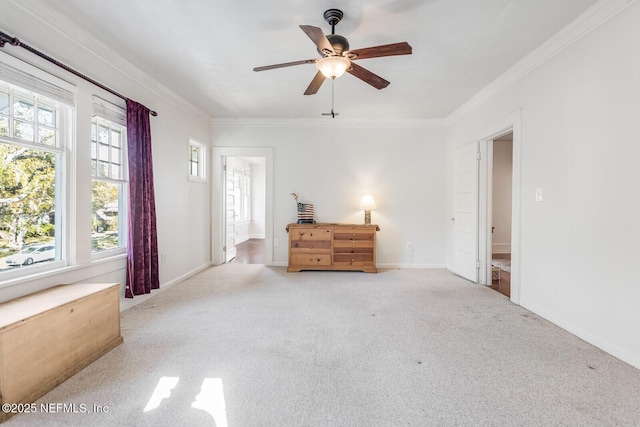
(333, 66)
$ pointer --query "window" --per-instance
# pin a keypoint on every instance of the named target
(246, 196)
(242, 188)
(34, 128)
(108, 145)
(196, 161)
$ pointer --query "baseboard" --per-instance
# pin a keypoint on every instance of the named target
(603, 344)
(501, 248)
(126, 303)
(394, 265)
(383, 265)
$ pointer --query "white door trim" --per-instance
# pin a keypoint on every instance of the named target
(217, 199)
(512, 122)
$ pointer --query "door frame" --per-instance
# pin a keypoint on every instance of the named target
(218, 238)
(510, 123)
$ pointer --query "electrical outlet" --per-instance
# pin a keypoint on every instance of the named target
(164, 257)
(409, 246)
(276, 242)
(538, 194)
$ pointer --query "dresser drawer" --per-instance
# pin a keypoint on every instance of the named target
(353, 259)
(311, 234)
(353, 235)
(305, 245)
(353, 250)
(352, 244)
(304, 259)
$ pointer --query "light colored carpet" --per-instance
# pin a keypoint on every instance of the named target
(249, 345)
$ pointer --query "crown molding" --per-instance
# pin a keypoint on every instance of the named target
(591, 19)
(48, 16)
(328, 123)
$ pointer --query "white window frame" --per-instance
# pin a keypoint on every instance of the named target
(27, 78)
(105, 112)
(201, 163)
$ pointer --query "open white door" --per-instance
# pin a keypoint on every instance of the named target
(230, 184)
(465, 211)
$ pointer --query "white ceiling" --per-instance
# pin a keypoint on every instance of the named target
(205, 50)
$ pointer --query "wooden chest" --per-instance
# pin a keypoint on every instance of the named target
(48, 336)
(332, 247)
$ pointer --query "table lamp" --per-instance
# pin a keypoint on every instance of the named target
(367, 204)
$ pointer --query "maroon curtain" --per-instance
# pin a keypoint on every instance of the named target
(142, 241)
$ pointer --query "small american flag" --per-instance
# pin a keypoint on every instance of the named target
(305, 213)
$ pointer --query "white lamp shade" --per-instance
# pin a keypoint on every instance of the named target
(333, 66)
(367, 203)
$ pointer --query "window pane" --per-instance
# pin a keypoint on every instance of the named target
(105, 209)
(46, 115)
(23, 131)
(27, 216)
(4, 126)
(24, 109)
(194, 168)
(103, 153)
(103, 169)
(47, 136)
(4, 103)
(115, 155)
(93, 132)
(94, 150)
(115, 138)
(103, 135)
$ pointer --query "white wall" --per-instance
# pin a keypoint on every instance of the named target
(258, 187)
(183, 207)
(501, 196)
(332, 166)
(581, 127)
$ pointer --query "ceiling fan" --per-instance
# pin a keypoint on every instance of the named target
(336, 58)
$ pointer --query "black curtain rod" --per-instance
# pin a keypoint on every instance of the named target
(14, 41)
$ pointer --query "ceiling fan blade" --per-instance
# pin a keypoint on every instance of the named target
(402, 48)
(317, 36)
(315, 84)
(285, 64)
(367, 76)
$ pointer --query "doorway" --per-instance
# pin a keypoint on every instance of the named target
(501, 148)
(508, 129)
(234, 226)
(472, 206)
(245, 209)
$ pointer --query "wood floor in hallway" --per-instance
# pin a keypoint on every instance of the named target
(250, 252)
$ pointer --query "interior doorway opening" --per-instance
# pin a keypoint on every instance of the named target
(501, 212)
(245, 214)
(220, 214)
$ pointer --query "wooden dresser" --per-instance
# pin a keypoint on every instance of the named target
(332, 247)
